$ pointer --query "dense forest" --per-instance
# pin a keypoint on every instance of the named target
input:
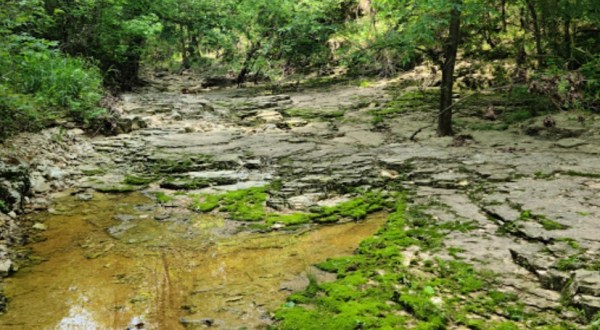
(60, 57)
(300, 164)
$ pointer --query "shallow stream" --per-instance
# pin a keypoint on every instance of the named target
(109, 264)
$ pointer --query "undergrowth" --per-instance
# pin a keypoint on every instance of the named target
(39, 85)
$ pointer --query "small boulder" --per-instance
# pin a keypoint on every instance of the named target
(5, 267)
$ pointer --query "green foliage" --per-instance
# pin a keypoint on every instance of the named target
(39, 85)
(112, 33)
(3, 206)
(591, 73)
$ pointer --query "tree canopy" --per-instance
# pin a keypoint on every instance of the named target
(108, 42)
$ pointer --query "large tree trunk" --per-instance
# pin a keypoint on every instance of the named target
(537, 33)
(450, 50)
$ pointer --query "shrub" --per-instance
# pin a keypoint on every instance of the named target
(39, 85)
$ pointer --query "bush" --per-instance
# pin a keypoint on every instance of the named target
(591, 73)
(39, 85)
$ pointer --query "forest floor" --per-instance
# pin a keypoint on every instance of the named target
(500, 224)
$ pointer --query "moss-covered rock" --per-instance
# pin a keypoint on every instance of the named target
(375, 289)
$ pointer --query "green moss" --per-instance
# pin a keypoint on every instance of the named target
(162, 198)
(184, 165)
(525, 215)
(363, 83)
(95, 171)
(290, 219)
(542, 175)
(582, 174)
(505, 326)
(325, 81)
(454, 251)
(242, 205)
(344, 264)
(593, 265)
(420, 305)
(116, 189)
(487, 126)
(548, 224)
(184, 183)
(209, 203)
(569, 263)
(518, 115)
(375, 290)
(552, 225)
(310, 113)
(570, 241)
(139, 180)
(413, 100)
(509, 227)
(249, 205)
(355, 209)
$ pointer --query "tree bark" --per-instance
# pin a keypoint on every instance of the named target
(450, 50)
(567, 41)
(504, 23)
(537, 34)
(520, 42)
(241, 78)
(185, 61)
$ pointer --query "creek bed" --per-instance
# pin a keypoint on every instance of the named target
(109, 264)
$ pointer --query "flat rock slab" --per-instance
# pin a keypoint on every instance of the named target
(570, 143)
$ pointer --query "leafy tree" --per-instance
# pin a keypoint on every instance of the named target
(431, 28)
(112, 32)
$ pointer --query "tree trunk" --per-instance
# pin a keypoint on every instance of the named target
(537, 34)
(504, 23)
(194, 47)
(568, 40)
(520, 42)
(450, 50)
(185, 61)
(241, 78)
